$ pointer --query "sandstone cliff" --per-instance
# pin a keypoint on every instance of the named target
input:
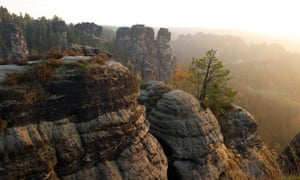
(79, 119)
(13, 45)
(83, 122)
(90, 29)
(149, 57)
(200, 146)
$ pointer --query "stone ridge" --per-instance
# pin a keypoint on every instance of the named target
(149, 57)
(200, 145)
(87, 126)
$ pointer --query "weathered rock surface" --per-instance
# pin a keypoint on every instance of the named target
(289, 159)
(13, 45)
(88, 50)
(84, 124)
(61, 30)
(149, 57)
(194, 143)
(90, 29)
(239, 129)
(151, 92)
(191, 137)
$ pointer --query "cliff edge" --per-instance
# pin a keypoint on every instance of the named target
(75, 120)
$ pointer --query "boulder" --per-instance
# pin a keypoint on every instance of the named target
(190, 136)
(289, 158)
(200, 146)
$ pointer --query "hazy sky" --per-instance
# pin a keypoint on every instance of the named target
(267, 16)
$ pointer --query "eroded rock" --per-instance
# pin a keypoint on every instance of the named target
(149, 57)
(87, 125)
(13, 45)
(289, 158)
(194, 143)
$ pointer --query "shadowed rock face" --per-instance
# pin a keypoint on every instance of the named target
(87, 126)
(240, 129)
(151, 58)
(61, 31)
(90, 29)
(151, 92)
(190, 136)
(193, 141)
(13, 45)
(289, 159)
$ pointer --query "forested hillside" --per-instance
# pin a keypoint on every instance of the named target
(42, 34)
(265, 75)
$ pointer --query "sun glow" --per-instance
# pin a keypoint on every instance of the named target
(275, 17)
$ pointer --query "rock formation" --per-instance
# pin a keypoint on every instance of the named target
(61, 30)
(149, 57)
(13, 45)
(87, 50)
(82, 122)
(90, 29)
(289, 159)
(194, 143)
(80, 119)
(240, 134)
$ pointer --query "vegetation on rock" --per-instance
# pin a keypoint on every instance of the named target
(207, 79)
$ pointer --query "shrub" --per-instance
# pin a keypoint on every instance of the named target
(54, 54)
(11, 79)
(30, 97)
(22, 61)
(34, 57)
(3, 124)
(44, 72)
(54, 62)
(71, 52)
(100, 59)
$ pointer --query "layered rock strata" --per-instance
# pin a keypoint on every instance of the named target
(83, 124)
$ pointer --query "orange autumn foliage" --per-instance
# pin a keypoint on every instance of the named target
(182, 79)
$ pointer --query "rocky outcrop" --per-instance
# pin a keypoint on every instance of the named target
(149, 57)
(289, 159)
(90, 29)
(88, 50)
(61, 31)
(240, 134)
(83, 123)
(200, 146)
(13, 45)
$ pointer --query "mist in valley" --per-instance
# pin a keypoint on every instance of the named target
(263, 71)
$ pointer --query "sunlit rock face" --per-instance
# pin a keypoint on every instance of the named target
(13, 45)
(289, 159)
(200, 146)
(149, 57)
(83, 124)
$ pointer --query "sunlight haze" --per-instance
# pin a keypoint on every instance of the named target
(275, 17)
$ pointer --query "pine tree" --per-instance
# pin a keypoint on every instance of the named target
(210, 78)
